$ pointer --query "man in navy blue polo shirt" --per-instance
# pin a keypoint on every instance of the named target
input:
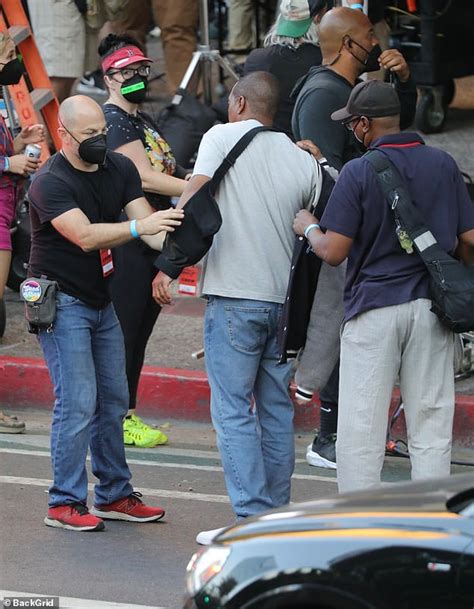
(389, 330)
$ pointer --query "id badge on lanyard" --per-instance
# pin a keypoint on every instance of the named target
(107, 262)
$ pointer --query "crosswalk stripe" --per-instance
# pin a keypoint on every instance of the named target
(150, 492)
(170, 464)
(162, 450)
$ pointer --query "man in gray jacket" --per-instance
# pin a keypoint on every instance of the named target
(349, 48)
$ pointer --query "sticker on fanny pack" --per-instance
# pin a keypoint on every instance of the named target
(31, 291)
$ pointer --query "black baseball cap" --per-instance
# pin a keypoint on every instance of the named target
(316, 6)
(372, 98)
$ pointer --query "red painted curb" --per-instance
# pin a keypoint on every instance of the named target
(170, 393)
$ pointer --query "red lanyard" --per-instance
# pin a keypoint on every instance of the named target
(407, 145)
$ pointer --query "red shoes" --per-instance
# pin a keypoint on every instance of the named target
(129, 508)
(74, 517)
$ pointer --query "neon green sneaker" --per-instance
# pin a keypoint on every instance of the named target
(137, 433)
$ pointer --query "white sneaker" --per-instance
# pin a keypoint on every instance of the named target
(322, 452)
(155, 32)
(91, 83)
(205, 538)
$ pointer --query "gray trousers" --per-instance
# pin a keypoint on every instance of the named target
(405, 341)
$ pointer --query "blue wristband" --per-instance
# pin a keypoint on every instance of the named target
(6, 165)
(133, 229)
(310, 228)
(357, 6)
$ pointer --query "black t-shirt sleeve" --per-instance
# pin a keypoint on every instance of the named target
(132, 181)
(121, 130)
(51, 197)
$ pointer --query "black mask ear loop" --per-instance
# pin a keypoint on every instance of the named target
(338, 56)
(345, 39)
(351, 42)
(66, 129)
(364, 133)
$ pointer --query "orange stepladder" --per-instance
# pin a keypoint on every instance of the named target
(38, 99)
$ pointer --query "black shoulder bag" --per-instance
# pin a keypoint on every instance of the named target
(451, 282)
(302, 284)
(202, 218)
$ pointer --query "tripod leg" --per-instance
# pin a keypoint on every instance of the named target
(206, 71)
(188, 76)
(225, 65)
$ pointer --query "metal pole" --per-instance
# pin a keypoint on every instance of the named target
(204, 23)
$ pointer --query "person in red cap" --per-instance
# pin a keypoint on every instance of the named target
(134, 134)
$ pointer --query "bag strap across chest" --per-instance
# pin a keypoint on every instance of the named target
(234, 154)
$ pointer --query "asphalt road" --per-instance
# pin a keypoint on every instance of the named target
(128, 564)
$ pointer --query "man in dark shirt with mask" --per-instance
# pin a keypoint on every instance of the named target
(389, 329)
(349, 48)
(76, 201)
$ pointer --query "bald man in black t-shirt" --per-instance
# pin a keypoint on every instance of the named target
(76, 200)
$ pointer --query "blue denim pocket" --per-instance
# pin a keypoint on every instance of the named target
(65, 300)
(247, 327)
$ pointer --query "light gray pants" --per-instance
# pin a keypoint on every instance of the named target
(377, 346)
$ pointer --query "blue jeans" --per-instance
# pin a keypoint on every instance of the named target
(86, 361)
(256, 444)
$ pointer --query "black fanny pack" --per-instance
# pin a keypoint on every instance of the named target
(451, 282)
(39, 296)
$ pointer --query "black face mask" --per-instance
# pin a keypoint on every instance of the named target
(93, 150)
(12, 72)
(134, 89)
(371, 64)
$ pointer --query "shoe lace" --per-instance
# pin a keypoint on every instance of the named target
(81, 508)
(134, 498)
(136, 434)
(143, 432)
(140, 424)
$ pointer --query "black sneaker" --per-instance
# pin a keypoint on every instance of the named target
(92, 83)
(322, 452)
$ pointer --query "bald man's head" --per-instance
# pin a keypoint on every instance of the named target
(78, 111)
(261, 93)
(340, 23)
(81, 119)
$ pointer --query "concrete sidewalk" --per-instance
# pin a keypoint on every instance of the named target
(173, 383)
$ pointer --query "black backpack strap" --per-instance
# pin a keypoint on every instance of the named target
(234, 154)
(398, 198)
